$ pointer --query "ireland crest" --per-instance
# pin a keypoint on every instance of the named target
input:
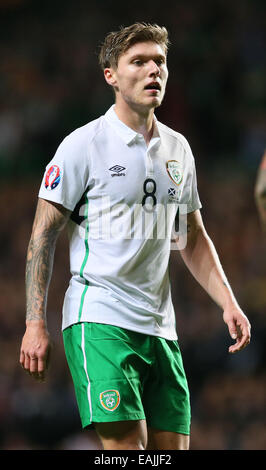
(110, 399)
(174, 170)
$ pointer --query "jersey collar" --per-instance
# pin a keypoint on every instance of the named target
(126, 133)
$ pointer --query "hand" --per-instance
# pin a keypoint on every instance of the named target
(239, 328)
(35, 350)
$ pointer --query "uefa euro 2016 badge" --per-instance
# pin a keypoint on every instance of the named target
(52, 177)
(174, 170)
(110, 399)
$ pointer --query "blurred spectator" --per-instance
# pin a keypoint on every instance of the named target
(260, 191)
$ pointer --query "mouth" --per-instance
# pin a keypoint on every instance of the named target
(153, 86)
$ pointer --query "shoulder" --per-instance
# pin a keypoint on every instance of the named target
(74, 148)
(84, 134)
(174, 137)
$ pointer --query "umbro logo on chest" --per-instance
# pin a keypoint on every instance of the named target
(117, 170)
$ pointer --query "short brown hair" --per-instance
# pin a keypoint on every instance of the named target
(118, 42)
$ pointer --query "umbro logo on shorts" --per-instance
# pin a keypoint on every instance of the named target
(117, 170)
(110, 399)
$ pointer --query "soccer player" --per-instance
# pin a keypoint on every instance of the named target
(260, 191)
(119, 183)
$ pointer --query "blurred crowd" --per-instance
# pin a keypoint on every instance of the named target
(50, 85)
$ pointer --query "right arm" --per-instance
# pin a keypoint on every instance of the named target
(49, 221)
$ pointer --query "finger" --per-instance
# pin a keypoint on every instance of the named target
(27, 362)
(38, 376)
(41, 369)
(241, 342)
(41, 366)
(243, 334)
(242, 331)
(37, 367)
(33, 364)
(22, 358)
(44, 361)
(235, 347)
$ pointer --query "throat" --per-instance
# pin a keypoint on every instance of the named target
(140, 121)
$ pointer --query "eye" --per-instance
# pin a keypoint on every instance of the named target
(137, 62)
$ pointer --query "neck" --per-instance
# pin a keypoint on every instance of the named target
(139, 121)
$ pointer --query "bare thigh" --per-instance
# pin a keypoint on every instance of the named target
(166, 440)
(127, 435)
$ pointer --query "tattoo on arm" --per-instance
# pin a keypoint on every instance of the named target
(47, 225)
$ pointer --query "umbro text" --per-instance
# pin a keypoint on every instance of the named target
(118, 174)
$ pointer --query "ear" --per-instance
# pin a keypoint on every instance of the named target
(110, 77)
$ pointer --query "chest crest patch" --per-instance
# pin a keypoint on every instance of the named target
(174, 170)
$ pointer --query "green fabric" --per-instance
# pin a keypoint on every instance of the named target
(123, 375)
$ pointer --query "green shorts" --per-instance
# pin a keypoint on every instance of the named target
(121, 375)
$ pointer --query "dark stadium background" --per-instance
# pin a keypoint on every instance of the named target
(51, 84)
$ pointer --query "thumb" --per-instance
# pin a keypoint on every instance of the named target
(232, 330)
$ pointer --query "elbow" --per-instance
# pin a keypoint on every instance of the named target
(195, 242)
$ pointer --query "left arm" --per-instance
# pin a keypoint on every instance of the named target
(201, 258)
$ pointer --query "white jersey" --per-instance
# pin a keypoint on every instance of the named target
(124, 197)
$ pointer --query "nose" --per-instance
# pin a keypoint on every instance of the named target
(154, 68)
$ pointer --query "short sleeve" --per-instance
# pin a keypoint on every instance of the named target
(194, 202)
(66, 176)
(190, 200)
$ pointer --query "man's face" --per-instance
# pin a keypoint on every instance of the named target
(141, 75)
